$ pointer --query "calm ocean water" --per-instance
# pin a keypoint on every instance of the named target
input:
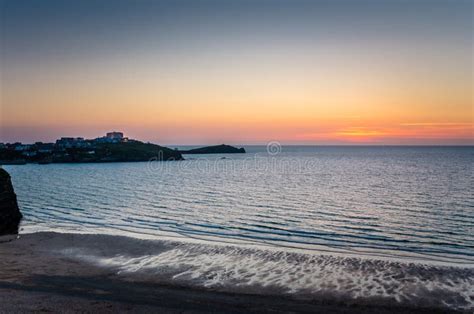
(389, 225)
(414, 202)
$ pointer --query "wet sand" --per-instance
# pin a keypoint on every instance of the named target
(35, 277)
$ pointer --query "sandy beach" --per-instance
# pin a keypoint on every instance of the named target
(36, 276)
(240, 156)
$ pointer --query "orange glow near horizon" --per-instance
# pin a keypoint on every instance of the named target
(293, 82)
(235, 110)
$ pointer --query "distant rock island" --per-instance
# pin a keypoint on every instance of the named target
(218, 149)
(10, 215)
(113, 147)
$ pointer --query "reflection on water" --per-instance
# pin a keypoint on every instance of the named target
(385, 201)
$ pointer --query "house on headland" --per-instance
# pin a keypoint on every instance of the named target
(111, 137)
(71, 142)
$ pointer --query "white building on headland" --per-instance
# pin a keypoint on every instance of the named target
(111, 137)
(114, 135)
(22, 147)
(70, 142)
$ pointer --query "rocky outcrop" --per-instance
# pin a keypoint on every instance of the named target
(218, 149)
(10, 215)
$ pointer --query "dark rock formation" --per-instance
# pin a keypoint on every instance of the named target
(218, 149)
(10, 215)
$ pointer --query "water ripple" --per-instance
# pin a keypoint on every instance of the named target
(396, 201)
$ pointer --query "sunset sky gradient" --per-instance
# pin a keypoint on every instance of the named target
(239, 72)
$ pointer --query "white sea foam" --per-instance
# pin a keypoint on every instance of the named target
(325, 277)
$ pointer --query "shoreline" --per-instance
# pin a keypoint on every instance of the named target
(41, 271)
(313, 249)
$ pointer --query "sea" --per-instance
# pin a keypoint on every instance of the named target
(375, 223)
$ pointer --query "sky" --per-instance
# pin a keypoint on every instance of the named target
(238, 72)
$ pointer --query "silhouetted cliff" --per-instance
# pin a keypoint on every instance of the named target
(10, 215)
